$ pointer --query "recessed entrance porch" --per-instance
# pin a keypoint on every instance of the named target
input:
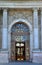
(20, 42)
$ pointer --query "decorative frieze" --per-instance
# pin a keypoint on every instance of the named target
(24, 4)
(13, 15)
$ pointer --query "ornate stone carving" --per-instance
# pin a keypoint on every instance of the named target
(20, 15)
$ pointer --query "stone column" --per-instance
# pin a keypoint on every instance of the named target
(41, 28)
(4, 32)
(35, 29)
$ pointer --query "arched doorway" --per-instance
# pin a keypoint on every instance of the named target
(20, 42)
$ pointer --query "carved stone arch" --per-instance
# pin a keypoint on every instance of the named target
(30, 28)
(20, 20)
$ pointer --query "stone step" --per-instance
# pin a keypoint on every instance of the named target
(20, 63)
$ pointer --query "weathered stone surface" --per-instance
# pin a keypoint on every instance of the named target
(26, 13)
(37, 57)
(3, 57)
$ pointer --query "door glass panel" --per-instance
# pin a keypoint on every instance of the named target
(21, 51)
(22, 44)
(18, 58)
(18, 51)
(17, 44)
(21, 38)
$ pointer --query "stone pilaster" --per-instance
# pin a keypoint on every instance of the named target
(35, 29)
(41, 28)
(4, 31)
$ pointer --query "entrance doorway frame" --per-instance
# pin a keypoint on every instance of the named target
(31, 35)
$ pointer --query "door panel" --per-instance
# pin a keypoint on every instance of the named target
(20, 51)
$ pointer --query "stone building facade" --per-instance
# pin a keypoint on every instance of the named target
(21, 31)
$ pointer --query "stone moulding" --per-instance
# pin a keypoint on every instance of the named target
(12, 4)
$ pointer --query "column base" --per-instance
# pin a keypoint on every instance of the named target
(37, 56)
(4, 57)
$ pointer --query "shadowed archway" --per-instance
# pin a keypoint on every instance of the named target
(20, 42)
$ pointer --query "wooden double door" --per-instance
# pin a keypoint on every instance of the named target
(20, 51)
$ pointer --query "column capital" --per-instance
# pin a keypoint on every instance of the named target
(41, 9)
(35, 9)
(5, 9)
(4, 18)
(0, 8)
